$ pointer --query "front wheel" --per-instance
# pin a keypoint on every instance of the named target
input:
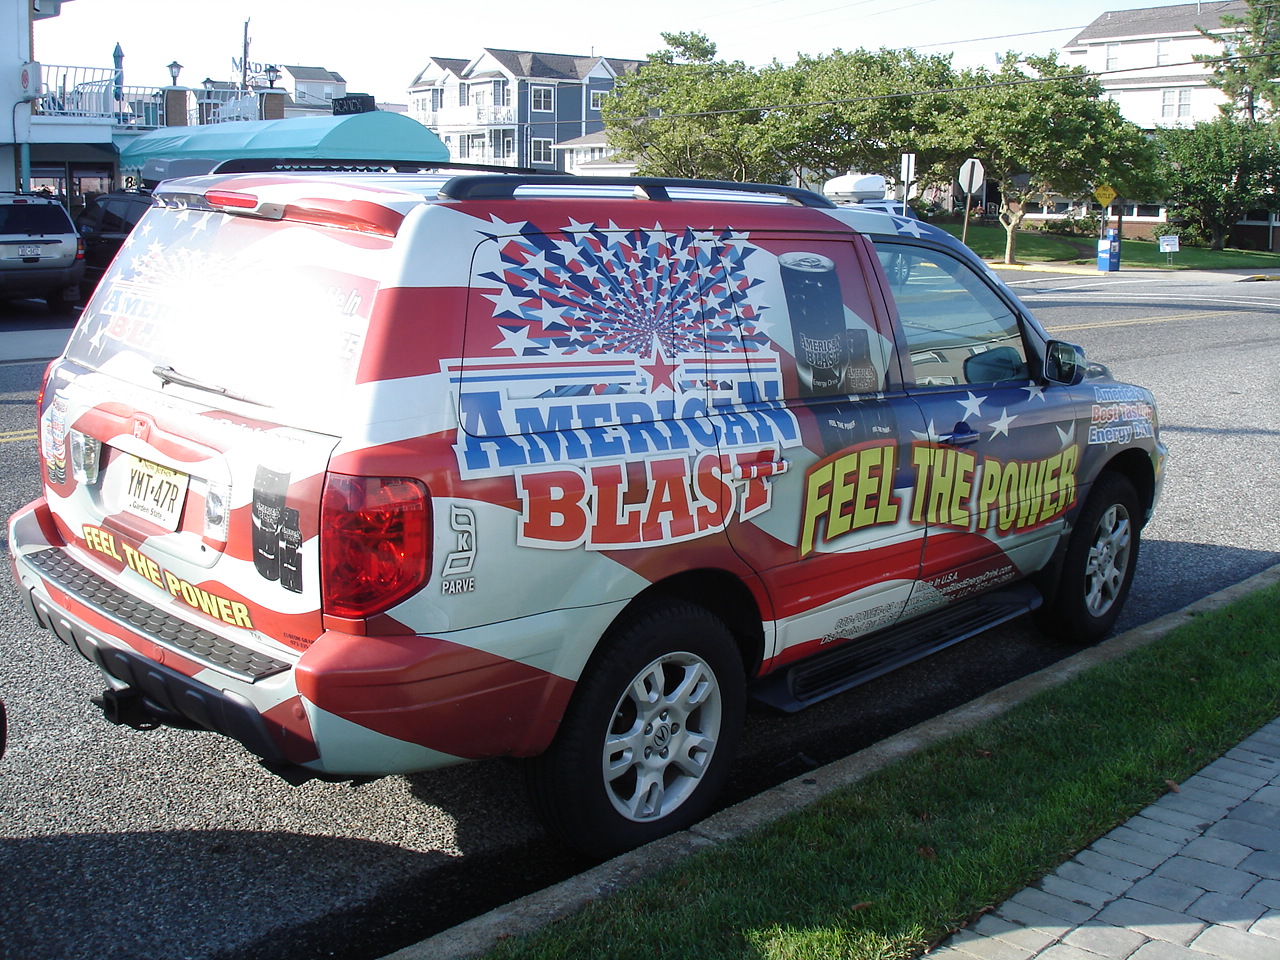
(649, 737)
(1097, 570)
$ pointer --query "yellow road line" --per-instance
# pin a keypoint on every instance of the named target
(17, 436)
(1140, 321)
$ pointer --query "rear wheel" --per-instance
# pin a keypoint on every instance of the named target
(650, 735)
(1098, 568)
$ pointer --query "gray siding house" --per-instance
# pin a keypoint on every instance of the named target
(511, 107)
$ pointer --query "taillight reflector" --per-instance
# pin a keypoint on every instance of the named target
(375, 543)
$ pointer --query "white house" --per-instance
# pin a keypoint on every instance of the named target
(1145, 60)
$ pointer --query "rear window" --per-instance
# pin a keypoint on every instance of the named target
(273, 312)
(34, 218)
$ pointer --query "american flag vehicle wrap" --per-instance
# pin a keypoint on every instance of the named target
(372, 472)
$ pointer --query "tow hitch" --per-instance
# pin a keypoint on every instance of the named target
(128, 708)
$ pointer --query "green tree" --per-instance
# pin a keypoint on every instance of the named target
(1043, 130)
(1247, 70)
(860, 111)
(1217, 171)
(688, 114)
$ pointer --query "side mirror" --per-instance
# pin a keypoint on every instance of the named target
(1064, 363)
(995, 365)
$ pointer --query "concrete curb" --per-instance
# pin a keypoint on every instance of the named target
(528, 914)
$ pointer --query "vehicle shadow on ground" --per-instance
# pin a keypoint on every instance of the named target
(81, 895)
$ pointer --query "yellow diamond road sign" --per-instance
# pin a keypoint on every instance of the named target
(1105, 195)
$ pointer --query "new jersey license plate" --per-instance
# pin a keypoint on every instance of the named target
(147, 490)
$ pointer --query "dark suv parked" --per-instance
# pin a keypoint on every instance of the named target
(105, 224)
(40, 253)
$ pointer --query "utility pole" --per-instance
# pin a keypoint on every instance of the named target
(244, 61)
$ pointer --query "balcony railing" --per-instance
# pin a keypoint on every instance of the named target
(92, 93)
(475, 115)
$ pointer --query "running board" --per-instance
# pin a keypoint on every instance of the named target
(826, 674)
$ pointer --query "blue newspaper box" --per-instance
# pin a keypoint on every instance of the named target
(1109, 251)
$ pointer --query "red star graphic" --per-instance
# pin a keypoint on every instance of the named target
(660, 371)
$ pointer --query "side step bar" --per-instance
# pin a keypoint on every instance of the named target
(816, 678)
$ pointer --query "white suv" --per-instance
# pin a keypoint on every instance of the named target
(41, 255)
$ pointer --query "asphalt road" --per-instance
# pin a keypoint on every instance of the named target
(171, 844)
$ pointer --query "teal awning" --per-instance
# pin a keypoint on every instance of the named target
(377, 135)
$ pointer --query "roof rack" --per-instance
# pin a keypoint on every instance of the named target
(284, 164)
(505, 186)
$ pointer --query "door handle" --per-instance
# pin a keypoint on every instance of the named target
(962, 435)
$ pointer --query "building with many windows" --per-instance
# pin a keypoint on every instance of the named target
(511, 107)
(1145, 60)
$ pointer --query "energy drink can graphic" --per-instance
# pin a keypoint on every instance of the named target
(269, 490)
(816, 309)
(290, 550)
(55, 440)
(860, 375)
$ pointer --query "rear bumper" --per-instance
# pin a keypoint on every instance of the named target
(38, 281)
(349, 706)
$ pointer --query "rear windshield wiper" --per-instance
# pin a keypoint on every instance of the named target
(170, 375)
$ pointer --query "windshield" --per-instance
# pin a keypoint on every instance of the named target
(258, 309)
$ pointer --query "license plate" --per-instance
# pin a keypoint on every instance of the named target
(29, 250)
(147, 490)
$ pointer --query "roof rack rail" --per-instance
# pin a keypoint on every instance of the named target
(646, 188)
(284, 164)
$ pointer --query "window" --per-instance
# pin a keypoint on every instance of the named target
(1175, 104)
(597, 100)
(1113, 56)
(501, 93)
(541, 151)
(958, 329)
(464, 94)
(1162, 53)
(542, 98)
(437, 100)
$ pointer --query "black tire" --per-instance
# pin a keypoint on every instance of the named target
(670, 753)
(1097, 570)
(59, 305)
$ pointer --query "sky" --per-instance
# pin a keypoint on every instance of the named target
(379, 47)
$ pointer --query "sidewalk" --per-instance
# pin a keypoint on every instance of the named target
(1195, 875)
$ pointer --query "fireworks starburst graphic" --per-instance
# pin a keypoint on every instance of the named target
(602, 290)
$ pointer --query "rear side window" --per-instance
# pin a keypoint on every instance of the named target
(958, 329)
(34, 218)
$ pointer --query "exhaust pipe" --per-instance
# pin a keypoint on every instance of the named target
(128, 708)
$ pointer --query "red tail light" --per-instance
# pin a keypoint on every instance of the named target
(375, 543)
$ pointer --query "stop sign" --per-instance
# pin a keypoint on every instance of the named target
(971, 175)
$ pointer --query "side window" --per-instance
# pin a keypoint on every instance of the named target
(822, 295)
(115, 216)
(958, 329)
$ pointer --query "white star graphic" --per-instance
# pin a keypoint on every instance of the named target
(929, 436)
(1068, 436)
(972, 406)
(505, 300)
(908, 226)
(517, 341)
(538, 262)
(1002, 424)
(1035, 392)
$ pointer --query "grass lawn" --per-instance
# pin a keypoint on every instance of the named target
(882, 869)
(1035, 247)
